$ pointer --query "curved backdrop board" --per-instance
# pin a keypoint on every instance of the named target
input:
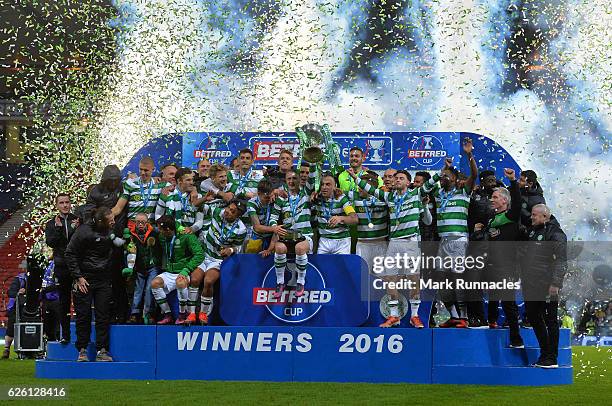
(410, 150)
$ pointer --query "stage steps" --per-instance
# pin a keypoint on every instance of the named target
(94, 370)
(442, 356)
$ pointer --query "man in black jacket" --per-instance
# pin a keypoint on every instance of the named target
(531, 194)
(480, 211)
(106, 194)
(58, 232)
(88, 258)
(502, 234)
(276, 174)
(542, 272)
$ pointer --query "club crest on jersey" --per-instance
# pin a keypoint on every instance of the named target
(289, 308)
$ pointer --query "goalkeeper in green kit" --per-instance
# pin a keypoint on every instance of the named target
(181, 254)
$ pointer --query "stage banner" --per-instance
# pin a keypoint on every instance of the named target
(333, 292)
(294, 354)
(409, 150)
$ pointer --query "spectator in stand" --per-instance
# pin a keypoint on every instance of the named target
(58, 232)
(531, 194)
(17, 288)
(88, 257)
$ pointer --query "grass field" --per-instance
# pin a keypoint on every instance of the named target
(592, 386)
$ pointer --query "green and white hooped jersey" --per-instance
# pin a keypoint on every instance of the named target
(221, 234)
(179, 206)
(451, 208)
(141, 198)
(245, 184)
(370, 210)
(294, 211)
(404, 210)
(324, 210)
(207, 186)
(254, 208)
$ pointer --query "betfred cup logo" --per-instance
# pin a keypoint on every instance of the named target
(212, 142)
(290, 308)
(427, 151)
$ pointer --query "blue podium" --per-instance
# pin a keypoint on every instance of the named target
(321, 354)
(327, 335)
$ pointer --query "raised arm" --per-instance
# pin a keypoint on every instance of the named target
(514, 212)
(369, 189)
(468, 148)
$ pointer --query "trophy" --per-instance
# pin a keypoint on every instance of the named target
(316, 147)
(376, 146)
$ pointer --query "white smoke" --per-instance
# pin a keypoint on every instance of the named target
(176, 74)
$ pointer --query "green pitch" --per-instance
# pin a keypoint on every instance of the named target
(592, 386)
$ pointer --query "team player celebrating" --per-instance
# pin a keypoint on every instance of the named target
(217, 190)
(140, 194)
(405, 208)
(373, 225)
(181, 253)
(452, 203)
(177, 203)
(333, 214)
(259, 208)
(247, 178)
(294, 214)
(222, 238)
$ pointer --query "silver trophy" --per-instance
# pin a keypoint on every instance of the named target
(316, 147)
(376, 146)
(212, 140)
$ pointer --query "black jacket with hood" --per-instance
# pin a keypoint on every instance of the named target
(88, 253)
(529, 198)
(104, 195)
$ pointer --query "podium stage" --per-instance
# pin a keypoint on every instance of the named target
(313, 354)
